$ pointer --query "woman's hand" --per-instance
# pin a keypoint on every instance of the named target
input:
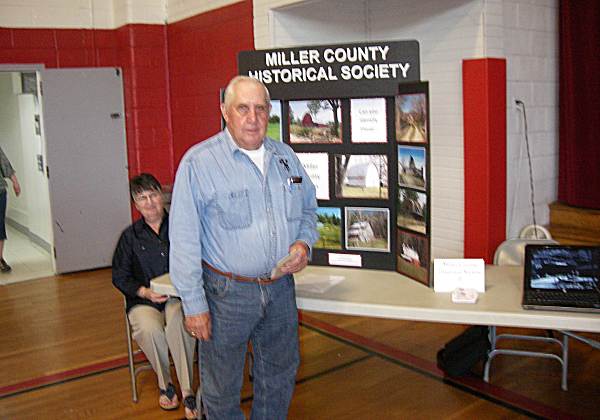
(151, 295)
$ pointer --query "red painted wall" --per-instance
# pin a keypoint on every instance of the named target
(140, 50)
(202, 58)
(484, 103)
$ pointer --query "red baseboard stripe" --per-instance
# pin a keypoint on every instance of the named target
(66, 375)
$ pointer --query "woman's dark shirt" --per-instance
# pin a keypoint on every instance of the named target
(140, 256)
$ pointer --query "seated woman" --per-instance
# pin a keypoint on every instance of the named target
(142, 253)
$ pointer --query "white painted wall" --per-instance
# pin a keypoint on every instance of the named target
(530, 32)
(139, 11)
(57, 13)
(183, 9)
(100, 14)
(448, 32)
(34, 182)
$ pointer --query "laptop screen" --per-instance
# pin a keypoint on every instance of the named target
(563, 268)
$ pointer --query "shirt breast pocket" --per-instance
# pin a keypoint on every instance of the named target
(234, 210)
(293, 201)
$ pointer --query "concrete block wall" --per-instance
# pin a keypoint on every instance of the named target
(139, 11)
(530, 32)
(182, 9)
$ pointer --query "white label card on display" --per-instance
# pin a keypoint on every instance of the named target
(454, 273)
(368, 120)
(316, 166)
(348, 260)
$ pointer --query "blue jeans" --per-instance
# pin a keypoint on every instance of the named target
(265, 315)
(2, 215)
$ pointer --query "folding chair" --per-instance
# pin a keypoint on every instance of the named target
(512, 252)
(133, 369)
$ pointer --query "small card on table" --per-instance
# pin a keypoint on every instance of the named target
(454, 273)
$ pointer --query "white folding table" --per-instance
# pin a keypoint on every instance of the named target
(387, 294)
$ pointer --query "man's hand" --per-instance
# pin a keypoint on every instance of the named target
(151, 295)
(199, 325)
(300, 252)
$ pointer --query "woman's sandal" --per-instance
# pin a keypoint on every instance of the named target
(189, 403)
(168, 398)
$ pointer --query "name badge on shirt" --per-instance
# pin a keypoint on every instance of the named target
(294, 180)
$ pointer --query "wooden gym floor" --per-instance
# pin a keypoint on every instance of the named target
(63, 355)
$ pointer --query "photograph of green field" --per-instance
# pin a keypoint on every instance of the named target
(274, 127)
(329, 225)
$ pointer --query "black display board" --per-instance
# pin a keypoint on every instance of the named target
(365, 144)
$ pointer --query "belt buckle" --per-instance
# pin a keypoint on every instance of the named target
(265, 278)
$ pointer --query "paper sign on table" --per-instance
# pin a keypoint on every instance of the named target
(453, 273)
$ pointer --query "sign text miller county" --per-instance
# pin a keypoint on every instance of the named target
(330, 55)
(319, 71)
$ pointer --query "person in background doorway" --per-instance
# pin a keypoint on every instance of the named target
(142, 253)
(7, 171)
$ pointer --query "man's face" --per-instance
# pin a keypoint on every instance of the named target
(150, 204)
(247, 115)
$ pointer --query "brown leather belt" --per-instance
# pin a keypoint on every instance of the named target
(237, 277)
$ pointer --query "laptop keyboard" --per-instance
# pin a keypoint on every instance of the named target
(564, 299)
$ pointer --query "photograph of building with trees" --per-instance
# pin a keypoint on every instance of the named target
(411, 167)
(361, 176)
(413, 258)
(412, 210)
(368, 229)
(315, 121)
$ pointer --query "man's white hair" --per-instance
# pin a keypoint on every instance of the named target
(229, 90)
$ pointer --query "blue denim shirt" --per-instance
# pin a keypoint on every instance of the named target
(224, 211)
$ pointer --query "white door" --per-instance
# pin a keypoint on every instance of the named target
(84, 127)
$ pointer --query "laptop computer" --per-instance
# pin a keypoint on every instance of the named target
(562, 278)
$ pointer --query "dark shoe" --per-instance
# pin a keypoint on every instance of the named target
(189, 403)
(168, 398)
(4, 267)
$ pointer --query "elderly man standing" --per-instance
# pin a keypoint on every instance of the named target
(241, 203)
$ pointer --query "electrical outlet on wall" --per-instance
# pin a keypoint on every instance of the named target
(514, 103)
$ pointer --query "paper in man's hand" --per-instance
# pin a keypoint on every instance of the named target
(277, 271)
